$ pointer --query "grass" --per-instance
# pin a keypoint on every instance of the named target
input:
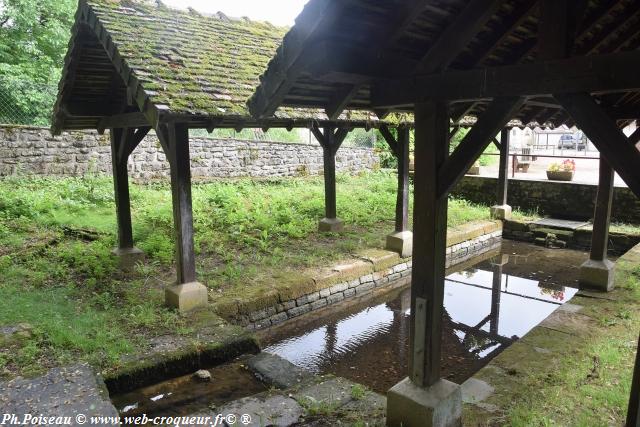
(59, 277)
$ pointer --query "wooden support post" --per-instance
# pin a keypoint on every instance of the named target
(402, 201)
(127, 254)
(401, 240)
(424, 398)
(502, 210)
(188, 293)
(496, 293)
(633, 413)
(330, 139)
(598, 271)
(429, 243)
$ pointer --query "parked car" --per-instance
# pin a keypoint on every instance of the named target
(571, 142)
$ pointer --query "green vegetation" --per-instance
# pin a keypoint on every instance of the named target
(59, 277)
(33, 41)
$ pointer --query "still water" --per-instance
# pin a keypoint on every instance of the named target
(487, 307)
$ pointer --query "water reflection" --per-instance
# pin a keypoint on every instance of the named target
(485, 311)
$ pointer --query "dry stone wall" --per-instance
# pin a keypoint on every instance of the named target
(34, 151)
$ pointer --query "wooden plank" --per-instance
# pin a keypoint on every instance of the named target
(121, 189)
(503, 167)
(390, 139)
(457, 35)
(496, 117)
(599, 73)
(605, 135)
(429, 242)
(402, 199)
(136, 139)
(634, 138)
(602, 212)
(553, 30)
(633, 412)
(175, 136)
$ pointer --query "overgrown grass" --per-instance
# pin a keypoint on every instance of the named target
(56, 236)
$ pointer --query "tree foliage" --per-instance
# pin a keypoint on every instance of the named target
(34, 35)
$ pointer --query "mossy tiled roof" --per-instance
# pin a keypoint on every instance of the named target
(194, 67)
(192, 63)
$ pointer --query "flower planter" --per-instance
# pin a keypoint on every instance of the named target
(560, 175)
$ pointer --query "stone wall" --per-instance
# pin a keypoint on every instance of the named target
(33, 151)
(566, 200)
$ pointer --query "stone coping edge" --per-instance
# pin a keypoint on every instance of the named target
(375, 269)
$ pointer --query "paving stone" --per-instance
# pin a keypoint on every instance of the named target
(276, 371)
(61, 392)
(273, 411)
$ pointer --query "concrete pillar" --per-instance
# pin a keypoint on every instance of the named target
(424, 398)
(401, 240)
(501, 210)
(598, 272)
(187, 294)
(128, 255)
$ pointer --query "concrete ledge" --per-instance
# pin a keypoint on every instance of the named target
(400, 242)
(330, 225)
(411, 406)
(187, 296)
(597, 275)
(128, 258)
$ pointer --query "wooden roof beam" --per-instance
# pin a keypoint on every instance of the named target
(126, 120)
(457, 35)
(517, 17)
(599, 73)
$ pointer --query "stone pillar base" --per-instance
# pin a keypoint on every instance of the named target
(437, 406)
(597, 275)
(186, 297)
(400, 242)
(330, 225)
(128, 258)
(501, 212)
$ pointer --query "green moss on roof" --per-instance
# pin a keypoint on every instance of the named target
(191, 62)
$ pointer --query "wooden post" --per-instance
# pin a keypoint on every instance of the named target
(123, 141)
(329, 163)
(121, 188)
(598, 271)
(330, 140)
(502, 210)
(401, 240)
(424, 398)
(429, 243)
(181, 197)
(188, 293)
(503, 169)
(496, 293)
(402, 202)
(633, 413)
(602, 213)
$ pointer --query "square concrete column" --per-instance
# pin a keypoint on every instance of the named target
(424, 398)
(598, 272)
(501, 210)
(401, 240)
(187, 294)
(123, 141)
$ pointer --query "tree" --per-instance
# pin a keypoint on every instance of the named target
(34, 35)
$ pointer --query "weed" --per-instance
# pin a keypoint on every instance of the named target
(358, 392)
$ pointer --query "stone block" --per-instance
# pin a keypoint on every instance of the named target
(437, 406)
(187, 296)
(330, 225)
(128, 258)
(597, 275)
(400, 242)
